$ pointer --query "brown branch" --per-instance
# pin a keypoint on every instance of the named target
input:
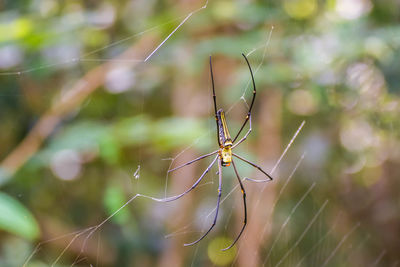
(68, 102)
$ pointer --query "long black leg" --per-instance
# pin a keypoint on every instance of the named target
(256, 166)
(245, 136)
(192, 161)
(244, 204)
(252, 101)
(217, 209)
(215, 100)
(169, 199)
(213, 88)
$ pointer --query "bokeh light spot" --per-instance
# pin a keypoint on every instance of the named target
(225, 9)
(119, 80)
(369, 176)
(302, 102)
(215, 253)
(356, 135)
(377, 48)
(10, 56)
(66, 164)
(46, 8)
(300, 9)
(103, 17)
(16, 29)
(352, 9)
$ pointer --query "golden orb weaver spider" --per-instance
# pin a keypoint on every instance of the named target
(224, 157)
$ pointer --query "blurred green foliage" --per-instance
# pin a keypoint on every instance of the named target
(16, 219)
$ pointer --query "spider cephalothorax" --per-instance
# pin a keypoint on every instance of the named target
(224, 157)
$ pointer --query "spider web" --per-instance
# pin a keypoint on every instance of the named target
(280, 237)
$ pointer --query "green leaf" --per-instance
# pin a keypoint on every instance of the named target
(81, 136)
(114, 200)
(15, 30)
(174, 132)
(110, 149)
(133, 130)
(16, 219)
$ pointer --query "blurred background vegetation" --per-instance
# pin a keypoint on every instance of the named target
(88, 122)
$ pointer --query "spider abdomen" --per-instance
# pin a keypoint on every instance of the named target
(226, 156)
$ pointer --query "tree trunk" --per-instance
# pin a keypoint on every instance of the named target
(261, 196)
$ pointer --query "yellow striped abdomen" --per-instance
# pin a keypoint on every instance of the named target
(226, 155)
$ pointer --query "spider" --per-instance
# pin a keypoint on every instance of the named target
(224, 157)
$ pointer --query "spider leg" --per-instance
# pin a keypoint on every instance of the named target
(217, 209)
(252, 101)
(214, 99)
(169, 199)
(192, 161)
(244, 204)
(255, 166)
(213, 88)
(245, 136)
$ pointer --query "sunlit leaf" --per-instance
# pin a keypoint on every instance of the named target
(83, 136)
(132, 131)
(113, 200)
(16, 219)
(215, 253)
(15, 30)
(173, 132)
